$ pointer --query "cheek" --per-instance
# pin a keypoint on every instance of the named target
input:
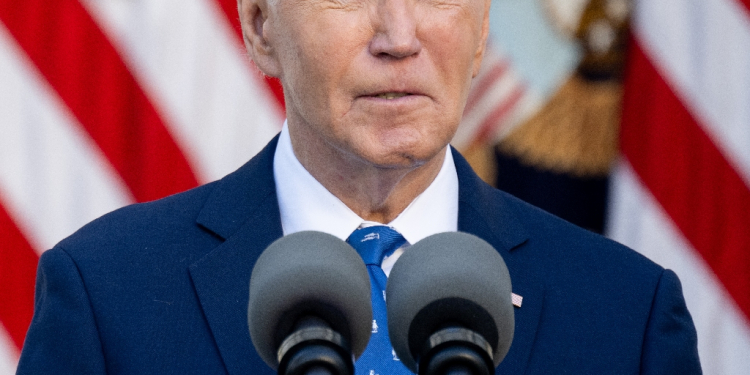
(452, 38)
(323, 50)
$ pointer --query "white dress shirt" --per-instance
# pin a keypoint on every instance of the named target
(305, 204)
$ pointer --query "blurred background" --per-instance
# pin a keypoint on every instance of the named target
(629, 118)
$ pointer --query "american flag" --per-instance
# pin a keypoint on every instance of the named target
(104, 103)
(682, 190)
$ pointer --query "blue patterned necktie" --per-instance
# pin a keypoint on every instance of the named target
(373, 244)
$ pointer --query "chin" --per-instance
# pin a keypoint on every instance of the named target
(403, 157)
(398, 144)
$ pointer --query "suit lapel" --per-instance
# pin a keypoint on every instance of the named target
(488, 214)
(243, 210)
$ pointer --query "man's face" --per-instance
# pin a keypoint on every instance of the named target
(384, 81)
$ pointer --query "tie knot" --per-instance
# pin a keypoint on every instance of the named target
(375, 243)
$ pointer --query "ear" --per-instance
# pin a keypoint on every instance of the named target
(479, 54)
(254, 17)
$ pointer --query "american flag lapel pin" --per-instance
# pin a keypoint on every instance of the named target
(516, 299)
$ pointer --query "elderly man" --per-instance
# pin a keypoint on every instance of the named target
(374, 90)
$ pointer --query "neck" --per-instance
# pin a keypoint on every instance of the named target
(375, 192)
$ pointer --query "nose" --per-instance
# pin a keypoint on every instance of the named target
(395, 29)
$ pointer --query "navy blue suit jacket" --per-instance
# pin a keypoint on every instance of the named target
(162, 288)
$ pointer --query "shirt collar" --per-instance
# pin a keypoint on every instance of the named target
(305, 204)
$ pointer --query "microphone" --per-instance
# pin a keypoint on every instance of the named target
(310, 310)
(449, 306)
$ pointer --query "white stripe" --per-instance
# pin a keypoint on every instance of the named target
(702, 48)
(8, 353)
(52, 177)
(185, 56)
(639, 222)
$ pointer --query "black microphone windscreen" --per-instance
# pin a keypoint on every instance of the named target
(449, 279)
(308, 274)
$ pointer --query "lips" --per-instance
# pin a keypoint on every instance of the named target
(399, 92)
(390, 91)
(391, 95)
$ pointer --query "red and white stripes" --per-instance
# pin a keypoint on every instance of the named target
(498, 101)
(217, 105)
(82, 66)
(682, 193)
(106, 103)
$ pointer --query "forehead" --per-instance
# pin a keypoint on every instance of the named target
(379, 13)
(350, 5)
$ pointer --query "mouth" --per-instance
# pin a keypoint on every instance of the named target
(391, 95)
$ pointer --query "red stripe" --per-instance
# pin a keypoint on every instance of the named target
(496, 117)
(488, 80)
(688, 175)
(229, 8)
(80, 63)
(17, 275)
(746, 4)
